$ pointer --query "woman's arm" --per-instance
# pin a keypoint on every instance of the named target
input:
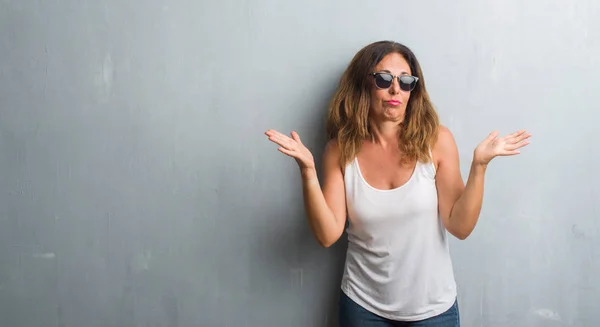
(460, 205)
(326, 207)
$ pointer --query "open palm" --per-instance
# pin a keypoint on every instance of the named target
(494, 146)
(293, 147)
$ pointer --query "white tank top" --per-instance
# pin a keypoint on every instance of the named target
(398, 263)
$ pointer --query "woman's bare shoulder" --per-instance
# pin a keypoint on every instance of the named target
(444, 145)
(332, 149)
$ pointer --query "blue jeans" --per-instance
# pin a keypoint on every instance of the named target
(353, 315)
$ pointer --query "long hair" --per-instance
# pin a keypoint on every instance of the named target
(348, 111)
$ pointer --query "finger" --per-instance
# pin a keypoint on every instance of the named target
(517, 139)
(274, 136)
(284, 143)
(510, 153)
(282, 139)
(278, 140)
(523, 137)
(278, 134)
(514, 135)
(287, 152)
(296, 137)
(285, 140)
(517, 133)
(516, 145)
(271, 132)
(492, 136)
(507, 152)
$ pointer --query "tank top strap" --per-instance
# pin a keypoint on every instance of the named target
(426, 168)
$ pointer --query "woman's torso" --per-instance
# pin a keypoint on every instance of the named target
(398, 263)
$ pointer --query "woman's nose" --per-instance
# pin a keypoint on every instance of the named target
(395, 87)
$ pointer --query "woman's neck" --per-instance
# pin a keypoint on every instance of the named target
(385, 134)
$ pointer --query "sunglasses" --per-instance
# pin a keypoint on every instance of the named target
(384, 81)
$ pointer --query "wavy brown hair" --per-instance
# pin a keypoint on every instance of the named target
(348, 112)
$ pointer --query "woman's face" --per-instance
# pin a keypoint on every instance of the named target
(389, 104)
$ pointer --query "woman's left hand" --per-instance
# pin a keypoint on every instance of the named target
(493, 146)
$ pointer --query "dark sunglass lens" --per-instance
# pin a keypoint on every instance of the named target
(407, 83)
(383, 80)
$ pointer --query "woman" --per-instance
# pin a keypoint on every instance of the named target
(394, 171)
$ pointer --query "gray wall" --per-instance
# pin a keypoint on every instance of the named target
(137, 187)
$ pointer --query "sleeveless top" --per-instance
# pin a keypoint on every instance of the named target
(398, 263)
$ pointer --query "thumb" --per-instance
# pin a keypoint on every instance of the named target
(296, 137)
(492, 136)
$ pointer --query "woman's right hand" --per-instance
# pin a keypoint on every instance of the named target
(293, 147)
